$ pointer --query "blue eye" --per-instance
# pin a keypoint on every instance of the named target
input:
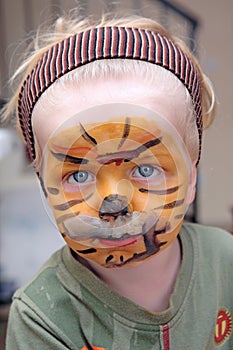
(80, 177)
(146, 171)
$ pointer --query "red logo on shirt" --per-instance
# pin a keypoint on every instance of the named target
(223, 326)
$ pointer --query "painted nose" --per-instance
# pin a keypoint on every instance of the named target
(113, 206)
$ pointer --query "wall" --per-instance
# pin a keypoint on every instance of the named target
(216, 56)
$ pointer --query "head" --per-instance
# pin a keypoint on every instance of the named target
(116, 141)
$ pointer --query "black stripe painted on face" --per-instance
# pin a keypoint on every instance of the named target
(87, 251)
(69, 159)
(149, 144)
(126, 156)
(87, 137)
(171, 205)
(109, 258)
(125, 132)
(66, 216)
(160, 192)
(67, 205)
(53, 190)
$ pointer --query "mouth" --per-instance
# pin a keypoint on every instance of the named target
(124, 242)
(126, 230)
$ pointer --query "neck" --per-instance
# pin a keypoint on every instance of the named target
(149, 283)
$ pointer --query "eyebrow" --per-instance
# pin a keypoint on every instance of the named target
(69, 159)
(127, 155)
(108, 158)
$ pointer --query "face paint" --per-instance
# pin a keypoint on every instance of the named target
(117, 186)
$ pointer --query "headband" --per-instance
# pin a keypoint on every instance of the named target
(105, 43)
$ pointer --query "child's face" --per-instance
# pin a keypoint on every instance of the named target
(118, 180)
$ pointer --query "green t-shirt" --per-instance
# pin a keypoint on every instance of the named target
(67, 307)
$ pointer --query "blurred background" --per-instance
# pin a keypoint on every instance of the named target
(27, 236)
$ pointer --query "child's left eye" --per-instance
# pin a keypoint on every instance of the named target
(146, 171)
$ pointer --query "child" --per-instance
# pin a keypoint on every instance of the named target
(112, 115)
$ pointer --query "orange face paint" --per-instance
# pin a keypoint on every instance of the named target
(117, 188)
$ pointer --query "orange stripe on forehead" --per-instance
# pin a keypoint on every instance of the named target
(74, 151)
(59, 148)
(66, 158)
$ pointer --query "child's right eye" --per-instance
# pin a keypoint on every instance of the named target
(80, 177)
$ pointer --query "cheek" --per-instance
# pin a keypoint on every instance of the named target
(171, 189)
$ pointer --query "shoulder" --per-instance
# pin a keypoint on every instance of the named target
(45, 298)
(43, 311)
(211, 241)
(45, 281)
(204, 233)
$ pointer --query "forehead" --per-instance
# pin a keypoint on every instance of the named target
(63, 101)
(113, 120)
(79, 130)
(116, 128)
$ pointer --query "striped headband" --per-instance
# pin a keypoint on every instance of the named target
(104, 43)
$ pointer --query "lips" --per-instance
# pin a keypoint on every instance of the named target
(119, 243)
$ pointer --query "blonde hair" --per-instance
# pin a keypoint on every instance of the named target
(72, 24)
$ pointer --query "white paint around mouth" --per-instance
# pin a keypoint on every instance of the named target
(84, 227)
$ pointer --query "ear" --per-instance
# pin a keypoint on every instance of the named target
(192, 184)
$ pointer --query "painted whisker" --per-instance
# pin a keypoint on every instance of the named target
(171, 205)
(66, 216)
(53, 190)
(67, 205)
(160, 192)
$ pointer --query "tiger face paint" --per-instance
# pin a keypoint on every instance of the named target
(117, 180)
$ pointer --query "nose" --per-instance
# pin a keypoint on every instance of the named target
(113, 206)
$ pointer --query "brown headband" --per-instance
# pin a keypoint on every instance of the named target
(103, 43)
